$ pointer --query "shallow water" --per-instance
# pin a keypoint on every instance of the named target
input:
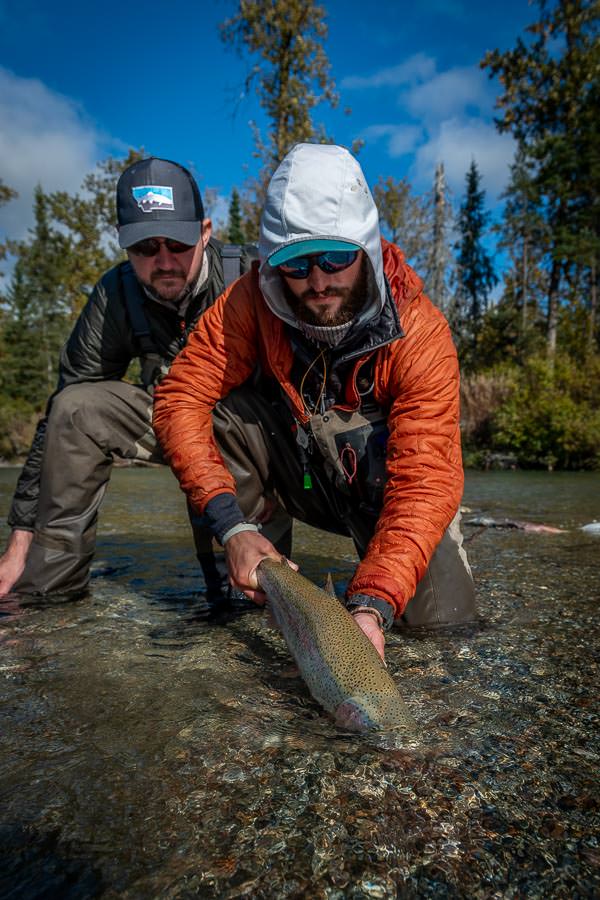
(150, 751)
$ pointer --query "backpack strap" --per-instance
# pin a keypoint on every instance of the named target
(134, 303)
(231, 255)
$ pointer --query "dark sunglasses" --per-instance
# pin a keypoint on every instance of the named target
(331, 261)
(151, 246)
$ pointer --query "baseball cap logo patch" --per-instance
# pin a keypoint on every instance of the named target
(153, 196)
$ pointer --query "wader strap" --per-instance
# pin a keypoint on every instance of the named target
(137, 316)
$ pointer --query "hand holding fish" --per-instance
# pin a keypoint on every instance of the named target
(243, 553)
(367, 622)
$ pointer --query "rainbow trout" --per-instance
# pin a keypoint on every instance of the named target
(341, 667)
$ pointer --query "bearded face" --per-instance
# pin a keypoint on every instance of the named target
(328, 299)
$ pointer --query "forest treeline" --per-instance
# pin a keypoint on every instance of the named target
(529, 345)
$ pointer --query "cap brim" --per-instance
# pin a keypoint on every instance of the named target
(304, 248)
(186, 232)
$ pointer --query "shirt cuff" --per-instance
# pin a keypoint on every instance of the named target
(243, 526)
(384, 608)
(222, 513)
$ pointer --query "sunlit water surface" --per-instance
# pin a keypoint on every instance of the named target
(148, 750)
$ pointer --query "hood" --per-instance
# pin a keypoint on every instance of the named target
(319, 191)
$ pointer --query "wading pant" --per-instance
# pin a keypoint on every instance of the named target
(88, 425)
(257, 443)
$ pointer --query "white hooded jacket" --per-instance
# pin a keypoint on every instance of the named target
(318, 191)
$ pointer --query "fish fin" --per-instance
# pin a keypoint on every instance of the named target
(329, 587)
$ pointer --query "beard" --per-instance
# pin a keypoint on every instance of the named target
(353, 300)
(175, 290)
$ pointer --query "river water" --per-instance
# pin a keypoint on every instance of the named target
(148, 750)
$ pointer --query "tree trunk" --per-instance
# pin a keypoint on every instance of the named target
(593, 308)
(524, 289)
(553, 310)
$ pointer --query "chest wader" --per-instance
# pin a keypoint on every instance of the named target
(88, 425)
(353, 447)
(271, 455)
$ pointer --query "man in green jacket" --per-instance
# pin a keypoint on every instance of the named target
(143, 308)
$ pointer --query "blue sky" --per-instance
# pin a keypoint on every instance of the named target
(79, 81)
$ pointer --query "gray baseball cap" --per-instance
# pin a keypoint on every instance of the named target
(158, 198)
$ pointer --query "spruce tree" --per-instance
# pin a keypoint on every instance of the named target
(549, 101)
(475, 272)
(37, 313)
(235, 233)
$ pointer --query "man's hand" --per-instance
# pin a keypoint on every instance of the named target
(368, 623)
(243, 553)
(12, 562)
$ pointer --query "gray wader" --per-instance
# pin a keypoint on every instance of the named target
(258, 444)
(89, 423)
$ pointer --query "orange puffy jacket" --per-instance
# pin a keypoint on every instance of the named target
(416, 378)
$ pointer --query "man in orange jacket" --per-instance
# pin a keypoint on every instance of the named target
(326, 382)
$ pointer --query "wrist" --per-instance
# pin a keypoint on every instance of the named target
(20, 539)
(17, 548)
(369, 611)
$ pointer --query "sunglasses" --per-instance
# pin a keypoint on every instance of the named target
(151, 246)
(331, 261)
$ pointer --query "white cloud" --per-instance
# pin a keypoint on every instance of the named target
(415, 68)
(401, 138)
(458, 141)
(45, 139)
(449, 93)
